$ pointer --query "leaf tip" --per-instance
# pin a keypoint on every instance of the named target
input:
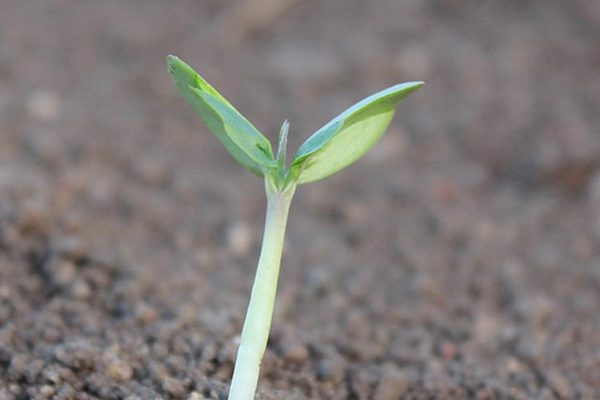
(172, 62)
(412, 86)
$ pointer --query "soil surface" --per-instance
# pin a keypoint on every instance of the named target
(460, 259)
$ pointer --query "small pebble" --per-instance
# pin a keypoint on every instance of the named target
(330, 369)
(195, 396)
(146, 314)
(392, 386)
(51, 375)
(18, 366)
(448, 351)
(445, 190)
(47, 391)
(81, 290)
(365, 352)
(151, 172)
(158, 371)
(63, 272)
(33, 370)
(35, 219)
(293, 350)
(119, 371)
(65, 392)
(73, 249)
(174, 387)
(487, 327)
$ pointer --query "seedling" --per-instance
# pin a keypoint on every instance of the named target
(332, 148)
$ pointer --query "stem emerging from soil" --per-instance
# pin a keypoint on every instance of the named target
(260, 309)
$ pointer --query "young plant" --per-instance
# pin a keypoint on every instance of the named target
(332, 148)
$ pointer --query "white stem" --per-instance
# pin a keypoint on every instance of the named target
(257, 325)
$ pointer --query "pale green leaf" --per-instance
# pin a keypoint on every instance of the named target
(245, 143)
(349, 136)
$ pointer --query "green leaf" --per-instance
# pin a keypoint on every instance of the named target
(245, 143)
(349, 136)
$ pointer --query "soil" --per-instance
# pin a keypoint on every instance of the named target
(460, 259)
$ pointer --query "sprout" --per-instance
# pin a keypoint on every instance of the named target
(332, 148)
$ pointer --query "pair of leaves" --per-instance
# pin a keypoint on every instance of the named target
(332, 148)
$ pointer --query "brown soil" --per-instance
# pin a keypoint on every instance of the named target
(459, 260)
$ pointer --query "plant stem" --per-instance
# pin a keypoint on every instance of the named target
(257, 325)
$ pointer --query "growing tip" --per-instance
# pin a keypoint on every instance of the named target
(282, 148)
(283, 132)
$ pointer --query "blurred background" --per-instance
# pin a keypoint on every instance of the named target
(459, 259)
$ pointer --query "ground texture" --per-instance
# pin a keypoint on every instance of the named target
(460, 259)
